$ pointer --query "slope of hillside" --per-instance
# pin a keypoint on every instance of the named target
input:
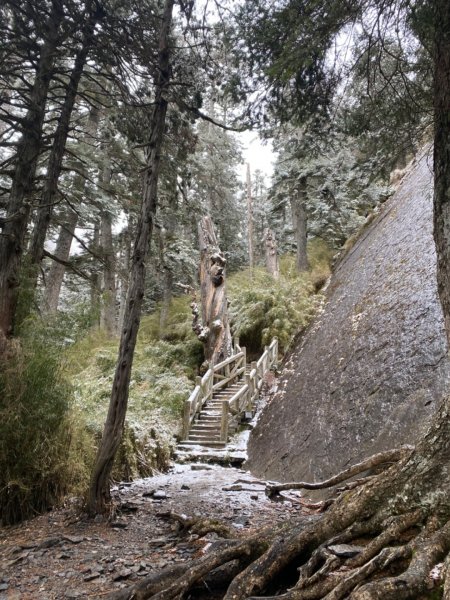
(367, 374)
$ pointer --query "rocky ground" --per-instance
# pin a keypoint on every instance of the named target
(61, 555)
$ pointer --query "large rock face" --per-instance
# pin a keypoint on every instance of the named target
(368, 374)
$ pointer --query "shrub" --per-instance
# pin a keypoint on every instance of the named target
(263, 308)
(37, 466)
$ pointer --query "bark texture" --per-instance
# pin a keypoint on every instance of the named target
(442, 153)
(28, 149)
(99, 491)
(55, 161)
(62, 252)
(272, 262)
(214, 329)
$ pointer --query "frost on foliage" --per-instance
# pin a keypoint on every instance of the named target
(263, 308)
(341, 186)
(160, 382)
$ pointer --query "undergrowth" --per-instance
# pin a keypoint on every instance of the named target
(263, 308)
(161, 379)
(38, 462)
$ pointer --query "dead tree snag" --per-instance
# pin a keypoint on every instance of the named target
(214, 328)
(272, 262)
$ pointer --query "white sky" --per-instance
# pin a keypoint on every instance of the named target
(258, 154)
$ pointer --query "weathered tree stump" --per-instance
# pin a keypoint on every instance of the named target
(214, 328)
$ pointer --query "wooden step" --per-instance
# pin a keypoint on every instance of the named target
(208, 435)
(207, 444)
(205, 430)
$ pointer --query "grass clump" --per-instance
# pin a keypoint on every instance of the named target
(38, 452)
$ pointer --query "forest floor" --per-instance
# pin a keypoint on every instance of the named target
(63, 555)
(60, 555)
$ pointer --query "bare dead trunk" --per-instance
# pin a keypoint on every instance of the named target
(214, 330)
(300, 224)
(251, 254)
(99, 491)
(272, 263)
(28, 149)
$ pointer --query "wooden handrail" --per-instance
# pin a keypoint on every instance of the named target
(231, 359)
(242, 399)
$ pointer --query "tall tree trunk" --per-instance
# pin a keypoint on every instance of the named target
(272, 263)
(99, 491)
(95, 275)
(166, 283)
(55, 161)
(62, 251)
(124, 270)
(55, 276)
(251, 253)
(214, 330)
(300, 223)
(442, 154)
(29, 147)
(108, 305)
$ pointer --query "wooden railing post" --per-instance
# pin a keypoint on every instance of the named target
(224, 422)
(198, 382)
(210, 385)
(186, 420)
(249, 382)
(254, 366)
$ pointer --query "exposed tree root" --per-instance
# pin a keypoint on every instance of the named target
(200, 525)
(382, 458)
(380, 539)
(446, 577)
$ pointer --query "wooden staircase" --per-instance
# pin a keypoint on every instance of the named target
(206, 428)
(223, 396)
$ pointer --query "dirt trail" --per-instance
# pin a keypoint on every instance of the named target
(62, 555)
(58, 555)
